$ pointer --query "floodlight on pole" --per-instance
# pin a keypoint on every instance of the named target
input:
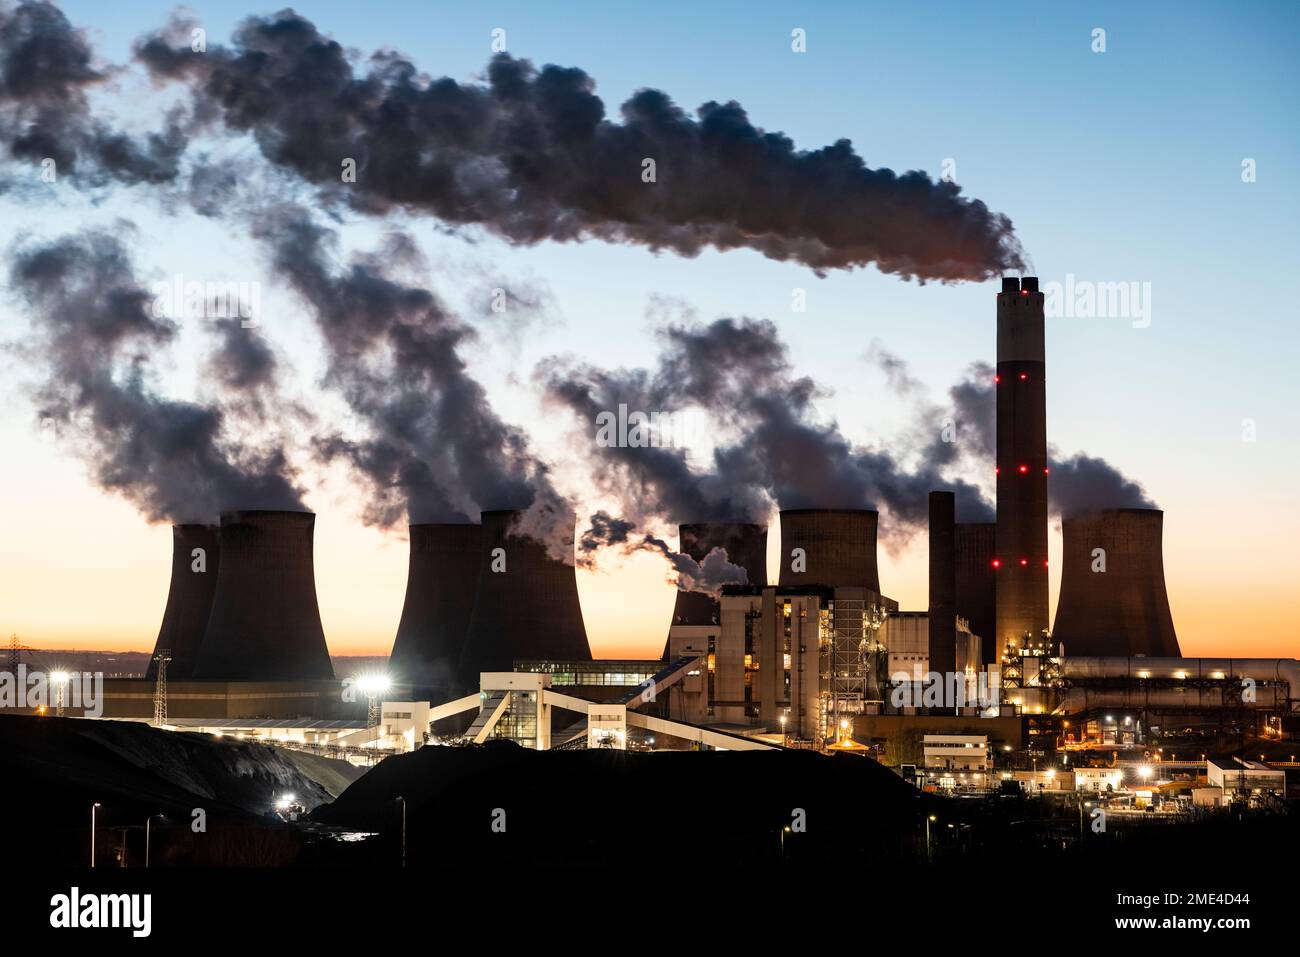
(373, 685)
(60, 681)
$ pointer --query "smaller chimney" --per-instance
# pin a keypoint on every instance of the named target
(1010, 284)
(943, 583)
(1029, 284)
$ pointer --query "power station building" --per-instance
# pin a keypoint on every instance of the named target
(798, 659)
(796, 656)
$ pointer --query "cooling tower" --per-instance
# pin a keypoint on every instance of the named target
(977, 581)
(196, 555)
(1021, 464)
(746, 546)
(1123, 610)
(440, 584)
(526, 604)
(265, 625)
(839, 547)
(943, 583)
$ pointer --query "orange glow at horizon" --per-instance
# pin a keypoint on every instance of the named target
(79, 569)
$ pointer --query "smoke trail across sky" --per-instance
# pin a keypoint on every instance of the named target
(531, 155)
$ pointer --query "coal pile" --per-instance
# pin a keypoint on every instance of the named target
(56, 768)
(620, 809)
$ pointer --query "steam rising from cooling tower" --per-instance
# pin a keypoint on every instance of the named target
(440, 588)
(94, 344)
(526, 606)
(839, 547)
(196, 559)
(265, 624)
(744, 546)
(1123, 610)
(431, 447)
(738, 547)
(772, 445)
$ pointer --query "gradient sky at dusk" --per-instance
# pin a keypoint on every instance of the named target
(1122, 166)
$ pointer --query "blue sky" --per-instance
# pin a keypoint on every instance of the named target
(1115, 166)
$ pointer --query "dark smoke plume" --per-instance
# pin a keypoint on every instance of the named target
(432, 448)
(242, 361)
(707, 576)
(94, 341)
(605, 531)
(770, 449)
(47, 70)
(1083, 483)
(532, 156)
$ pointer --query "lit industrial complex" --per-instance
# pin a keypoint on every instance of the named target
(976, 692)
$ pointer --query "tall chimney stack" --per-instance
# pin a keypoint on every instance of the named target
(265, 624)
(526, 605)
(1021, 464)
(196, 556)
(440, 584)
(839, 546)
(943, 583)
(1122, 610)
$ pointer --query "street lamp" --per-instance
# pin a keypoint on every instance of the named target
(403, 800)
(92, 832)
(147, 823)
(784, 742)
(929, 854)
(784, 831)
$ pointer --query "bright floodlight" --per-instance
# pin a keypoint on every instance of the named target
(284, 802)
(59, 677)
(1144, 771)
(373, 684)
